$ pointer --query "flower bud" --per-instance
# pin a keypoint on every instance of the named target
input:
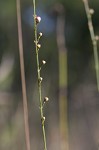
(46, 99)
(39, 45)
(40, 79)
(43, 120)
(40, 34)
(91, 11)
(97, 37)
(43, 62)
(38, 19)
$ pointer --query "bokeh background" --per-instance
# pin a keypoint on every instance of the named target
(81, 114)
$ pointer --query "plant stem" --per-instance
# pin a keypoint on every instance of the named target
(25, 105)
(39, 83)
(93, 38)
(63, 84)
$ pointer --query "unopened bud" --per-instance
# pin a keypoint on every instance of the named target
(43, 120)
(43, 62)
(40, 79)
(38, 19)
(46, 99)
(97, 37)
(40, 34)
(91, 11)
(39, 46)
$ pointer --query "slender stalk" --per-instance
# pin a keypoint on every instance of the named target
(25, 106)
(89, 13)
(39, 82)
(63, 71)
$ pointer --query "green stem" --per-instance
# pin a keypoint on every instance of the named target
(39, 83)
(94, 41)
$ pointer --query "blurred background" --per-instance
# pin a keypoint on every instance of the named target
(69, 79)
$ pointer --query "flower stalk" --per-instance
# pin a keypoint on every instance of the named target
(37, 20)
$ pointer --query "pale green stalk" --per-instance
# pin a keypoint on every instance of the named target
(39, 82)
(93, 38)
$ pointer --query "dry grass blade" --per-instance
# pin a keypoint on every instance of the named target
(25, 106)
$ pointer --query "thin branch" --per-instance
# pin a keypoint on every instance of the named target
(89, 13)
(25, 105)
